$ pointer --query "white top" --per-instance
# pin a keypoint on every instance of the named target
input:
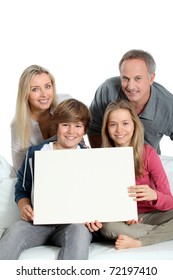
(49, 146)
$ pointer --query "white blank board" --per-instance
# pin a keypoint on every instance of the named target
(83, 185)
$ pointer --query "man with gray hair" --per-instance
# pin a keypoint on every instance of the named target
(153, 103)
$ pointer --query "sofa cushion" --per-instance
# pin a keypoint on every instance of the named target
(106, 251)
(167, 163)
(9, 212)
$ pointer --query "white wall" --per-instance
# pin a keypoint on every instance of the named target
(81, 43)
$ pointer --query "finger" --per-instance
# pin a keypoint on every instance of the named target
(140, 199)
(88, 225)
(94, 227)
(98, 224)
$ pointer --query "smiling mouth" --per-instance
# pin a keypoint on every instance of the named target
(132, 92)
(119, 136)
(70, 138)
(44, 101)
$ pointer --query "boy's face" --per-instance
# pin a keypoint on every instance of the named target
(70, 135)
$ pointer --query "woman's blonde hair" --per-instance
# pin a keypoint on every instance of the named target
(137, 141)
(71, 110)
(22, 118)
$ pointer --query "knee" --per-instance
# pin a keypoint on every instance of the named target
(16, 231)
(79, 232)
(13, 228)
(110, 230)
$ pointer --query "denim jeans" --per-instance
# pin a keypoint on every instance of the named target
(74, 240)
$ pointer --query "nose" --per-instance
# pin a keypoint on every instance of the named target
(42, 92)
(118, 128)
(70, 129)
(131, 84)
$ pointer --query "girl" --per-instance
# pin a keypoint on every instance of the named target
(122, 128)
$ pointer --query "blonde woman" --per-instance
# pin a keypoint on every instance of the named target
(122, 128)
(36, 101)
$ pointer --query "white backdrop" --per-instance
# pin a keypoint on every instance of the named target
(81, 43)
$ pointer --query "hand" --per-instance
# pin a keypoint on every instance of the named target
(93, 226)
(27, 213)
(132, 222)
(142, 192)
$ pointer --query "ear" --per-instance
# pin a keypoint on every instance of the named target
(152, 78)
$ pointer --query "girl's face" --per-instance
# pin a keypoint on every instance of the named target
(120, 127)
(41, 93)
(69, 135)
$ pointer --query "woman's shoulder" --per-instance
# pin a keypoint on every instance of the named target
(149, 149)
(150, 154)
(63, 96)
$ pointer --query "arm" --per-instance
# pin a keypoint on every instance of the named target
(97, 108)
(153, 189)
(23, 189)
(26, 211)
(108, 91)
(16, 150)
(95, 141)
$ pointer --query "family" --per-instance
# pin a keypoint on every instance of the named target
(130, 110)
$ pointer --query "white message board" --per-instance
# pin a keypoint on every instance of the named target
(83, 185)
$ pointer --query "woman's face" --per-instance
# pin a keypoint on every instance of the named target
(120, 127)
(41, 93)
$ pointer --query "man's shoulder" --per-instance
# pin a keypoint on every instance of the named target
(161, 99)
(161, 90)
(111, 87)
(112, 81)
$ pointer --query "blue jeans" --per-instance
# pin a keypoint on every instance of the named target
(74, 240)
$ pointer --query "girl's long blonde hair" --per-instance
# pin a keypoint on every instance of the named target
(137, 141)
(22, 117)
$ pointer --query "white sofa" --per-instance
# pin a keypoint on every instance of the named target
(98, 251)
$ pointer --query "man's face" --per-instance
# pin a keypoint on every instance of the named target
(136, 80)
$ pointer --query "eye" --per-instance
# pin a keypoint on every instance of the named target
(112, 124)
(126, 123)
(35, 89)
(79, 126)
(138, 78)
(48, 86)
(64, 124)
(124, 79)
